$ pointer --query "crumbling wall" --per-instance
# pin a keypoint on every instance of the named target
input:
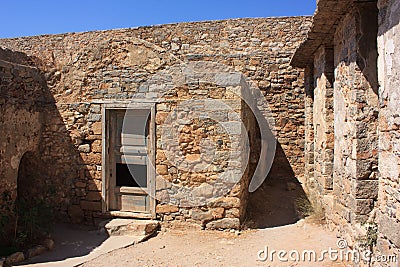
(342, 113)
(356, 110)
(323, 119)
(308, 179)
(388, 215)
(364, 205)
(319, 123)
(85, 69)
(193, 175)
(21, 88)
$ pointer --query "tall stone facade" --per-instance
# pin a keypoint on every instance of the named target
(20, 124)
(337, 122)
(388, 214)
(350, 118)
(79, 74)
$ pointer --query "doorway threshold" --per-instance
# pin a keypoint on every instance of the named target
(128, 214)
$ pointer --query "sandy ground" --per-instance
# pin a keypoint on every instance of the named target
(178, 247)
(274, 210)
(76, 244)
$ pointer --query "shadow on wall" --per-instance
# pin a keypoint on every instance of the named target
(367, 43)
(280, 200)
(39, 161)
(389, 16)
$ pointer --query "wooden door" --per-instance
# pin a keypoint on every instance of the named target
(130, 148)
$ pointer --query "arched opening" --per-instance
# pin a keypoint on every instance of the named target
(280, 200)
(26, 186)
(33, 211)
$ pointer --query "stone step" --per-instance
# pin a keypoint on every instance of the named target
(130, 227)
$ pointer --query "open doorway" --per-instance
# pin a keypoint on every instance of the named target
(128, 170)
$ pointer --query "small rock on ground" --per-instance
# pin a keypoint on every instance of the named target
(15, 258)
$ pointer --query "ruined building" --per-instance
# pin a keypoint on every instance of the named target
(329, 83)
(65, 98)
(352, 108)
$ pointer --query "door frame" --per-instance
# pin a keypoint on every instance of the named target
(107, 108)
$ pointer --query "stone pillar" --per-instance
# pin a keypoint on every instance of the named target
(388, 215)
(323, 118)
(309, 128)
(356, 110)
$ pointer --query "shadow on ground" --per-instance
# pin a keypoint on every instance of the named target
(71, 241)
(280, 200)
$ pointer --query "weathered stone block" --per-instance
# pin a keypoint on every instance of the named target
(226, 202)
(90, 205)
(48, 243)
(232, 213)
(390, 228)
(161, 117)
(94, 117)
(218, 213)
(162, 169)
(166, 208)
(76, 213)
(162, 196)
(365, 189)
(362, 206)
(228, 79)
(96, 146)
(95, 185)
(201, 215)
(36, 250)
(80, 192)
(130, 227)
(91, 158)
(80, 184)
(15, 258)
(84, 148)
(225, 223)
(363, 168)
(93, 196)
(97, 128)
(204, 190)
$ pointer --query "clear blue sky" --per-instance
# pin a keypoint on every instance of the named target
(34, 17)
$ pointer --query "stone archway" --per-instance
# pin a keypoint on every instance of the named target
(28, 182)
(33, 210)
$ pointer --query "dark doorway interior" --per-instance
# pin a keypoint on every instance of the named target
(134, 175)
(280, 200)
(34, 212)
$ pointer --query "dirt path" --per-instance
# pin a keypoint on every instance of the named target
(175, 247)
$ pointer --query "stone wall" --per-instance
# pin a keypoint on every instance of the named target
(196, 180)
(308, 179)
(21, 94)
(345, 36)
(84, 70)
(323, 119)
(356, 111)
(388, 215)
(319, 137)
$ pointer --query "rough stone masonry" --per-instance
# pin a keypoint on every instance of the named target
(351, 61)
(337, 122)
(54, 89)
